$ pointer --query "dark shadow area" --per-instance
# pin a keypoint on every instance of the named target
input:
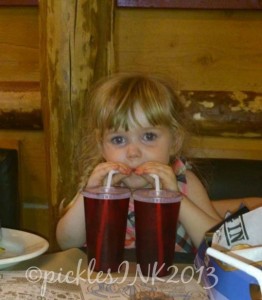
(230, 178)
(9, 204)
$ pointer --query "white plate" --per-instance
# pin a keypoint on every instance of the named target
(20, 246)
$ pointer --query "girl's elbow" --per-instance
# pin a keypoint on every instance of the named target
(61, 238)
(70, 235)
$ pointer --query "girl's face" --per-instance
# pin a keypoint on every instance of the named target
(140, 144)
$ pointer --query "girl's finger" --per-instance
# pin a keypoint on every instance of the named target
(99, 174)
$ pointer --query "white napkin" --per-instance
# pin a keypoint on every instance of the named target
(242, 230)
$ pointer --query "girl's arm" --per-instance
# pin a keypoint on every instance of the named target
(196, 211)
(70, 230)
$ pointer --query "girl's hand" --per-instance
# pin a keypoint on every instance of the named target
(99, 174)
(166, 174)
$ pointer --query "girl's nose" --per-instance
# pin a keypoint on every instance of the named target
(133, 151)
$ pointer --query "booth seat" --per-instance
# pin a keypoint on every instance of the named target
(230, 178)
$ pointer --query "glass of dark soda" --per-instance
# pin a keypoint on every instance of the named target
(156, 216)
(106, 210)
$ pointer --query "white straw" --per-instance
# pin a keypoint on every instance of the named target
(249, 269)
(109, 178)
(157, 182)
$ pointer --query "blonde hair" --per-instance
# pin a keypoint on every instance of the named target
(110, 104)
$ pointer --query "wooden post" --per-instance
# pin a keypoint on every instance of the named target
(76, 49)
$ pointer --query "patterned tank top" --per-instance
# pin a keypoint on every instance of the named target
(183, 241)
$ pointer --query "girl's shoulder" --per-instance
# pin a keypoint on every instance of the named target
(181, 165)
(181, 168)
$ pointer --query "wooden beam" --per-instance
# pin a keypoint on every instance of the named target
(214, 113)
(18, 2)
(20, 106)
(224, 113)
(189, 4)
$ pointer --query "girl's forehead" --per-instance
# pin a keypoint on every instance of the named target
(137, 118)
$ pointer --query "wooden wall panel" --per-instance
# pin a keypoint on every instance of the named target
(19, 44)
(213, 56)
(200, 49)
(20, 110)
(224, 147)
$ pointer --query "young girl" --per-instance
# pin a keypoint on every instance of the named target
(135, 125)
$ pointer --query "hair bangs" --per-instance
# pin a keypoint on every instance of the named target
(156, 102)
(118, 108)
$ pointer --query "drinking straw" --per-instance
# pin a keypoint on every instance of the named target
(109, 178)
(241, 265)
(157, 182)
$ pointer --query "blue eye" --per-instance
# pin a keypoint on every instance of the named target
(118, 140)
(149, 136)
